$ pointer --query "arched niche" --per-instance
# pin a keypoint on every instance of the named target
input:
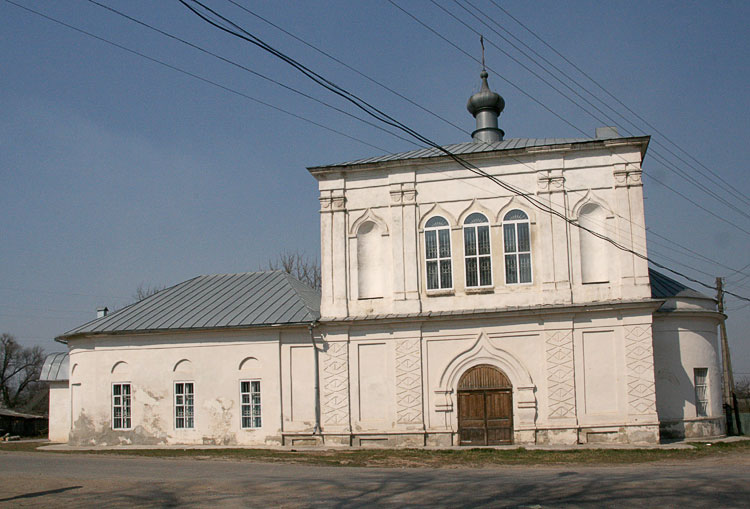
(370, 260)
(120, 368)
(249, 364)
(183, 366)
(593, 250)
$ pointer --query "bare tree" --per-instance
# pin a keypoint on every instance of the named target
(146, 291)
(742, 387)
(298, 265)
(19, 371)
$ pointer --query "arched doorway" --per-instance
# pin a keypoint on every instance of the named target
(485, 407)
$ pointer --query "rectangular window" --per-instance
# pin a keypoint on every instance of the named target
(121, 406)
(184, 397)
(250, 403)
(700, 377)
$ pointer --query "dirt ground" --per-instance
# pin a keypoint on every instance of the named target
(33, 479)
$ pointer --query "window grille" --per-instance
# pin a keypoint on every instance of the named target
(517, 247)
(121, 406)
(700, 377)
(184, 397)
(437, 239)
(477, 254)
(250, 397)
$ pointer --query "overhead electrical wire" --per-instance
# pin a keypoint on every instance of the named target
(293, 114)
(251, 71)
(518, 192)
(369, 78)
(211, 16)
(441, 36)
(648, 175)
(608, 119)
(729, 187)
(721, 182)
(195, 76)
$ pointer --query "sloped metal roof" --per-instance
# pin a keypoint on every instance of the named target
(56, 368)
(664, 287)
(470, 147)
(216, 301)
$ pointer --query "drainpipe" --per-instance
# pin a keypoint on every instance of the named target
(316, 368)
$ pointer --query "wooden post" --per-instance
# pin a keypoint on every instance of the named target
(726, 360)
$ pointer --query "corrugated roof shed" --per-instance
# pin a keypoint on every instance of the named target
(664, 287)
(470, 147)
(55, 368)
(217, 301)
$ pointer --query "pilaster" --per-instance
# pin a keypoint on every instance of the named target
(555, 275)
(404, 246)
(333, 253)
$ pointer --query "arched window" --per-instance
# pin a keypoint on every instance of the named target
(437, 248)
(369, 261)
(594, 259)
(477, 251)
(517, 247)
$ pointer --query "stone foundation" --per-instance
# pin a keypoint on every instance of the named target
(693, 428)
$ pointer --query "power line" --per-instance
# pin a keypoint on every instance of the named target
(200, 78)
(384, 117)
(328, 55)
(231, 62)
(729, 187)
(669, 165)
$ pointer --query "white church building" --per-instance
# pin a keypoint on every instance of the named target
(453, 311)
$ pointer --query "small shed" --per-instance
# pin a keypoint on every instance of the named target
(56, 372)
(18, 423)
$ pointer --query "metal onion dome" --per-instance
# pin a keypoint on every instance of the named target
(486, 107)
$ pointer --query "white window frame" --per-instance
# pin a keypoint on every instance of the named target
(125, 406)
(517, 253)
(701, 403)
(184, 404)
(477, 256)
(250, 404)
(439, 260)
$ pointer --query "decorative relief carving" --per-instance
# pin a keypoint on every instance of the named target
(551, 184)
(639, 356)
(332, 200)
(403, 193)
(560, 369)
(408, 381)
(628, 177)
(335, 397)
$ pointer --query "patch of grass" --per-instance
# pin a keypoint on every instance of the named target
(21, 445)
(421, 458)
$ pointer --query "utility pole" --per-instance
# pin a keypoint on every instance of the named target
(726, 360)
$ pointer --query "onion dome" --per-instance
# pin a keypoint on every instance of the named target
(486, 107)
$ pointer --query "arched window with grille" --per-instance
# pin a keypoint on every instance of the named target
(477, 254)
(437, 248)
(517, 247)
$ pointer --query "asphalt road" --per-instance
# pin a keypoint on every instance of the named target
(56, 480)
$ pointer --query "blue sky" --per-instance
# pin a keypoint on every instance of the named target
(118, 172)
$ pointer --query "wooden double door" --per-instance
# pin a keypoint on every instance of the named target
(485, 407)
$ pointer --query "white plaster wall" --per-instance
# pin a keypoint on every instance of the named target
(59, 411)
(402, 195)
(682, 343)
(217, 361)
(561, 380)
